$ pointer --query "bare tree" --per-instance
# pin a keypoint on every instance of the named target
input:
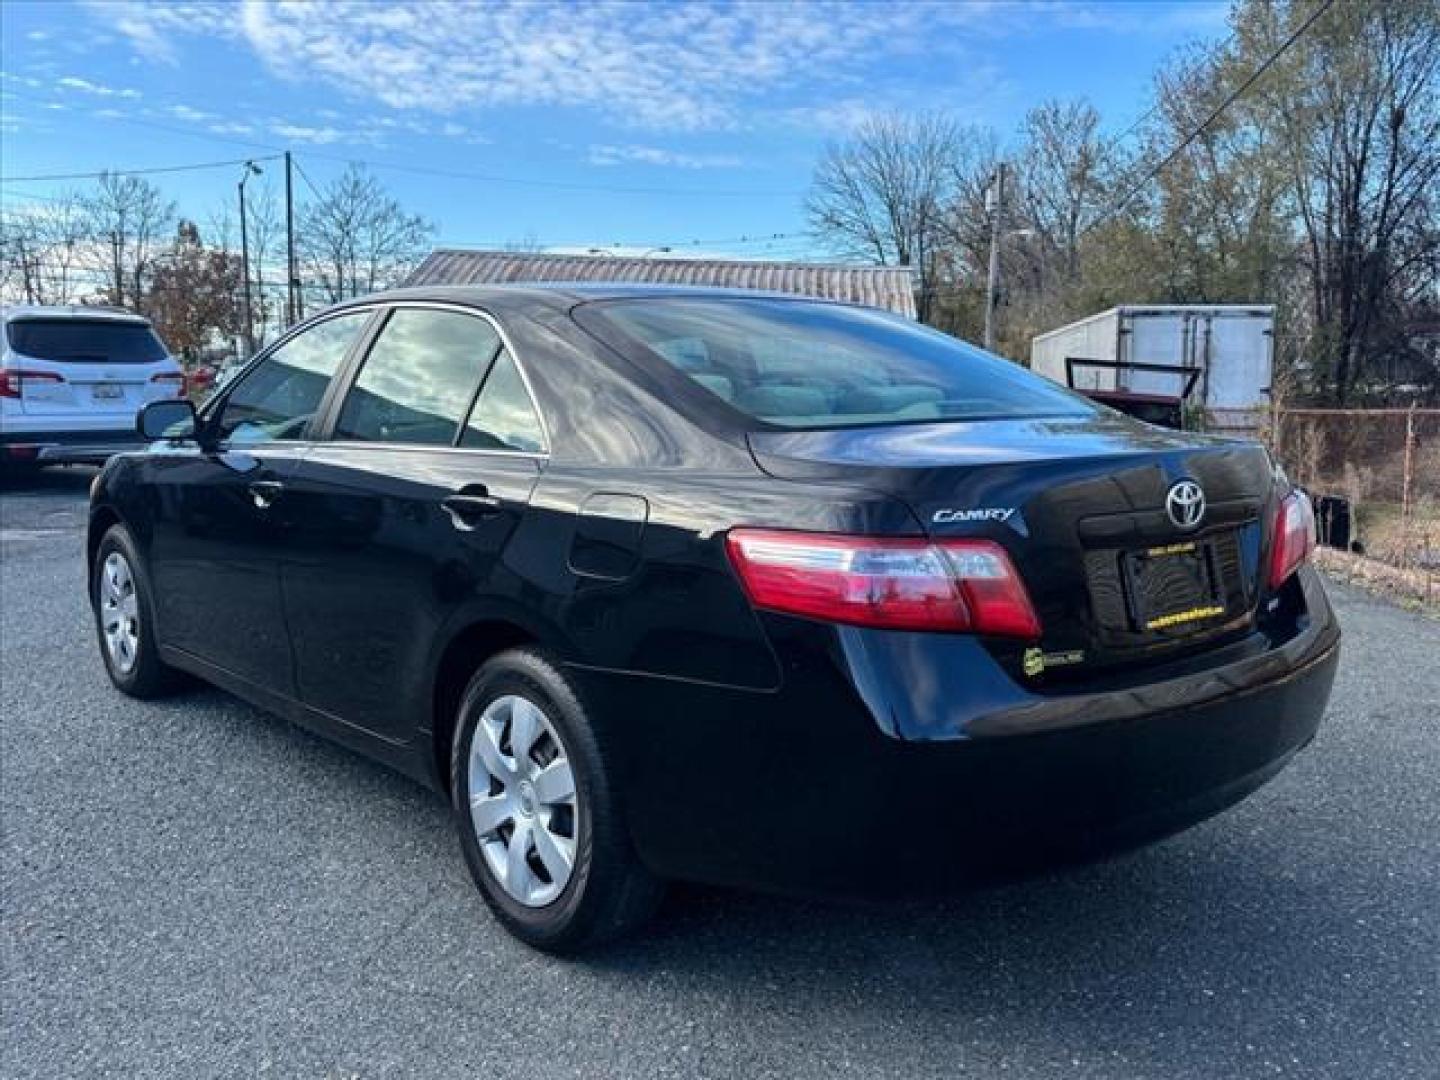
(266, 227)
(1356, 113)
(44, 250)
(21, 251)
(1065, 174)
(1222, 215)
(528, 244)
(129, 220)
(883, 194)
(357, 238)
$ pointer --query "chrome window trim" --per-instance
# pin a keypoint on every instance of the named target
(428, 448)
(506, 344)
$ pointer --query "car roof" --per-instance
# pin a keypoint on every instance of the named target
(71, 311)
(566, 294)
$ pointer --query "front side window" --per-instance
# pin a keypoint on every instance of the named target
(798, 363)
(419, 378)
(278, 398)
(504, 416)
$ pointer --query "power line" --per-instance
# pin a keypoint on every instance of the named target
(1210, 50)
(306, 177)
(30, 196)
(132, 172)
(124, 118)
(660, 247)
(1215, 115)
(557, 185)
(421, 170)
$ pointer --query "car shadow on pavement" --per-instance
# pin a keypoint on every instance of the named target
(1205, 944)
(66, 479)
(1236, 932)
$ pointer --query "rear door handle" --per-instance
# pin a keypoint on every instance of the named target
(468, 507)
(263, 493)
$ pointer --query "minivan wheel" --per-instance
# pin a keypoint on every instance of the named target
(124, 618)
(538, 815)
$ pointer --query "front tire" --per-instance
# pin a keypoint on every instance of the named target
(125, 618)
(539, 818)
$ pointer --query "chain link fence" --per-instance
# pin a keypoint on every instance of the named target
(1374, 475)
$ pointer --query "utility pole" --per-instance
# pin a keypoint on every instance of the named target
(996, 205)
(250, 169)
(117, 295)
(292, 283)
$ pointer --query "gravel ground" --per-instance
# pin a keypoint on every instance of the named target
(193, 889)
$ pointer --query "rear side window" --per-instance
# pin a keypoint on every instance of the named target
(504, 417)
(90, 341)
(797, 363)
(278, 397)
(419, 379)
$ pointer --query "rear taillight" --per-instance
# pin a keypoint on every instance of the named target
(173, 378)
(897, 584)
(13, 380)
(1293, 539)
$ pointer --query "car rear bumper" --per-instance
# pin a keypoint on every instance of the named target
(66, 447)
(804, 789)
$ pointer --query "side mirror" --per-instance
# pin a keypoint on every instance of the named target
(169, 419)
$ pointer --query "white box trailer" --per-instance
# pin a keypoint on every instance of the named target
(1230, 348)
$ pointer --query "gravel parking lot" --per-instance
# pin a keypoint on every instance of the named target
(192, 889)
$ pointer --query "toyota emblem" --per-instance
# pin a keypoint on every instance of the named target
(1185, 503)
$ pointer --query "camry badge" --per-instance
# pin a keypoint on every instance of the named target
(1185, 503)
(986, 513)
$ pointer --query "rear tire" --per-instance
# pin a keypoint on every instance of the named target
(125, 619)
(546, 844)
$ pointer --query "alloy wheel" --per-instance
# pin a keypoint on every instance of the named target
(523, 804)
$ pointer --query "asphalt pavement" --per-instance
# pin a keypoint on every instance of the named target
(191, 889)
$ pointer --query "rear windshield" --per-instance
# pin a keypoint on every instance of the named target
(86, 341)
(801, 364)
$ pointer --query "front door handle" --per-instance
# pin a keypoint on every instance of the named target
(263, 493)
(469, 506)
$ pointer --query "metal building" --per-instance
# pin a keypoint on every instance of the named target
(885, 287)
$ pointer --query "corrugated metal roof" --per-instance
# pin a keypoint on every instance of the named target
(886, 287)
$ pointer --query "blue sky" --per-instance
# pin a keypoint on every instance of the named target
(578, 124)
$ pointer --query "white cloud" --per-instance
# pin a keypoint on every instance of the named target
(654, 155)
(838, 117)
(1197, 16)
(152, 28)
(305, 133)
(231, 127)
(690, 66)
(85, 86)
(674, 67)
(185, 112)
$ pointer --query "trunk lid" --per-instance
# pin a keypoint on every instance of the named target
(89, 389)
(1080, 504)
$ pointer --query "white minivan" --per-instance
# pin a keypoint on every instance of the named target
(72, 380)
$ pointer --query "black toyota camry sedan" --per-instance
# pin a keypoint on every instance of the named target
(721, 587)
